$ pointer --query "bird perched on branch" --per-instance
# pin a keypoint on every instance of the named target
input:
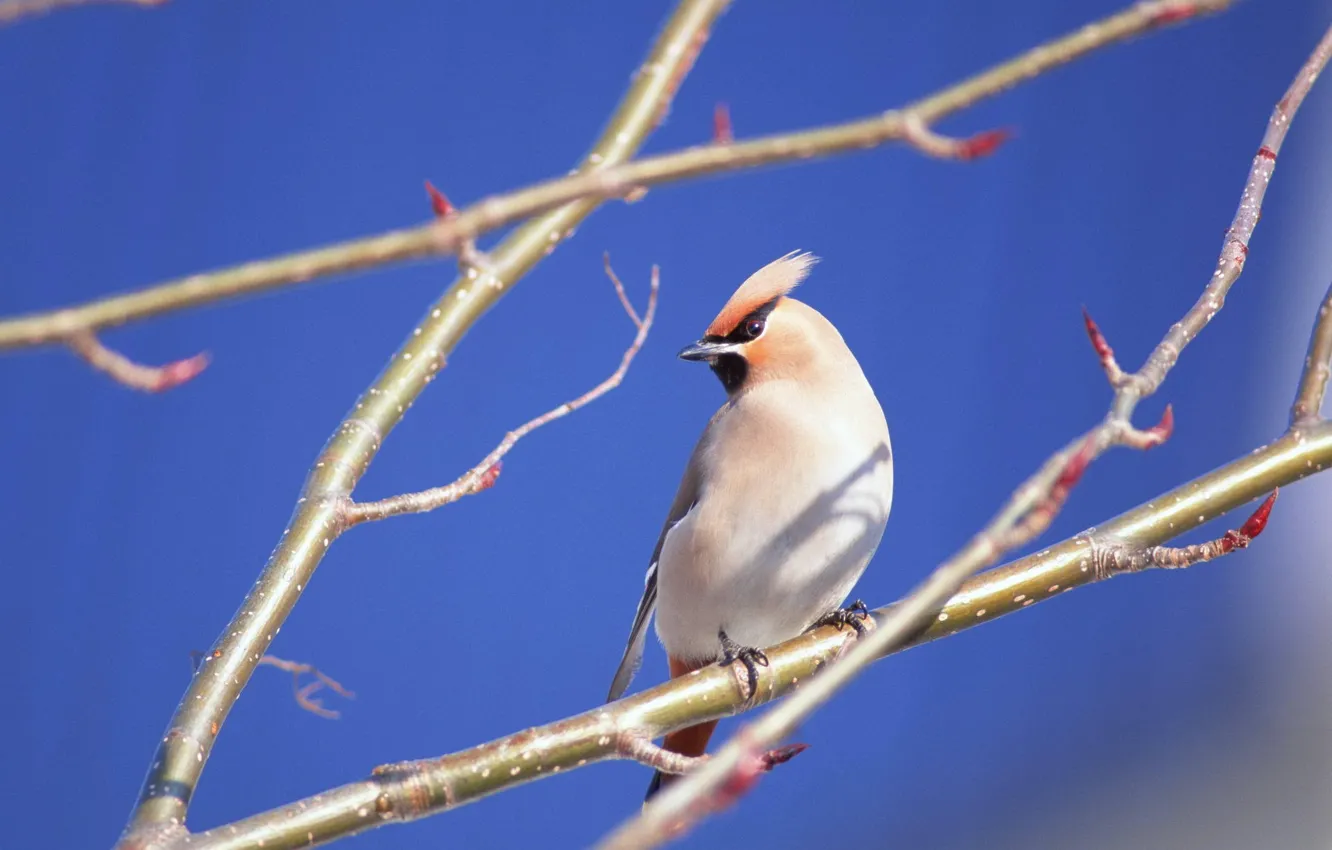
(783, 501)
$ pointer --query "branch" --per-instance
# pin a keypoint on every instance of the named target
(1040, 496)
(150, 379)
(1235, 250)
(321, 514)
(484, 475)
(1317, 367)
(445, 236)
(14, 9)
(406, 791)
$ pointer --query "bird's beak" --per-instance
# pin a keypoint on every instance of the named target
(705, 350)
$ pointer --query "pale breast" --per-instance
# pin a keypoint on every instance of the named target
(779, 539)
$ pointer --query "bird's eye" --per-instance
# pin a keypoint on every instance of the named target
(753, 328)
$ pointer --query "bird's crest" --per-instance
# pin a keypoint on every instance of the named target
(772, 281)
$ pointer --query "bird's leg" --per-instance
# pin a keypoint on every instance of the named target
(750, 656)
(853, 615)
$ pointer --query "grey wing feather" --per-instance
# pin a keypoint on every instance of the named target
(685, 499)
(633, 653)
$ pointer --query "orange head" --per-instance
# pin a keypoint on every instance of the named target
(764, 334)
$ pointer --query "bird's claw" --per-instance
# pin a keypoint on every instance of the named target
(751, 657)
(854, 615)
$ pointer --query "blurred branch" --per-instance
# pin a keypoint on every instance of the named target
(12, 10)
(1317, 367)
(305, 693)
(152, 379)
(406, 791)
(715, 783)
(609, 179)
(321, 511)
(484, 475)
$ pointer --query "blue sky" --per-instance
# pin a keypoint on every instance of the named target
(140, 145)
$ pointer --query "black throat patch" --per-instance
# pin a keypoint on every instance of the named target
(733, 369)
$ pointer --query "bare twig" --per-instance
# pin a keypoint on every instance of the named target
(701, 791)
(305, 693)
(12, 10)
(1317, 367)
(627, 181)
(151, 379)
(320, 514)
(484, 475)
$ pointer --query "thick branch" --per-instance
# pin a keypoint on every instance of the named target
(484, 475)
(410, 790)
(449, 234)
(1317, 367)
(1038, 498)
(320, 512)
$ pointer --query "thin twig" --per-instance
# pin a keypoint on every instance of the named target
(305, 693)
(628, 181)
(1235, 250)
(12, 10)
(151, 379)
(406, 791)
(1114, 558)
(484, 475)
(704, 790)
(319, 518)
(930, 143)
(1308, 404)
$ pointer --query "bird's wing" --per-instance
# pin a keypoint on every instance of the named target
(685, 499)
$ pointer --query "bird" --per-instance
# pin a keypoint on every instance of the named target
(784, 499)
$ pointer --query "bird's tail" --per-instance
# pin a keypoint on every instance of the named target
(692, 741)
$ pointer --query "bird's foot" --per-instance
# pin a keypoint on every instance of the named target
(751, 657)
(854, 615)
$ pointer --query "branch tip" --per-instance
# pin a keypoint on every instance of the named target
(1104, 352)
(781, 755)
(1161, 431)
(438, 201)
(1176, 13)
(1256, 523)
(149, 379)
(722, 132)
(179, 372)
(983, 143)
